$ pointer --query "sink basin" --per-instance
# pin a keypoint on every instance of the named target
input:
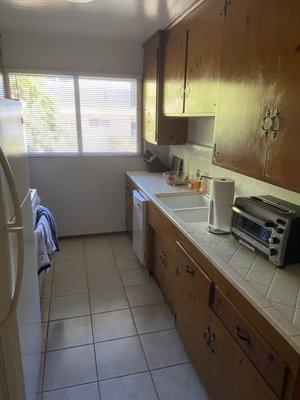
(183, 200)
(193, 214)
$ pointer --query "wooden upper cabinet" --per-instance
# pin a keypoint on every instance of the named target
(174, 71)
(191, 62)
(203, 53)
(249, 51)
(283, 166)
(157, 128)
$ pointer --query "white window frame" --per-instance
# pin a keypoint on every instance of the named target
(76, 76)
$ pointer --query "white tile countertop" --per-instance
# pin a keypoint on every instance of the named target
(274, 292)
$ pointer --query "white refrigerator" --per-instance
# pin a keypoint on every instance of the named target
(20, 314)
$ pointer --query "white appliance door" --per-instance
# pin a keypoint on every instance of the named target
(20, 326)
(139, 225)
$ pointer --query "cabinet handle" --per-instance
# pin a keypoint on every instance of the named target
(275, 126)
(163, 257)
(215, 152)
(242, 334)
(190, 270)
(265, 118)
(209, 338)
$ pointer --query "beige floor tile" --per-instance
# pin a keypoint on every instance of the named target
(131, 387)
(131, 277)
(97, 248)
(69, 367)
(120, 357)
(99, 264)
(178, 383)
(104, 280)
(163, 349)
(128, 262)
(69, 332)
(143, 295)
(108, 300)
(82, 392)
(69, 306)
(121, 245)
(45, 306)
(153, 318)
(73, 284)
(113, 325)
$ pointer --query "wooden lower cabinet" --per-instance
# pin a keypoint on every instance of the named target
(129, 207)
(231, 375)
(164, 267)
(235, 351)
(224, 369)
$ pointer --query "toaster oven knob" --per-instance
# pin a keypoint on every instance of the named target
(273, 252)
(280, 230)
(274, 240)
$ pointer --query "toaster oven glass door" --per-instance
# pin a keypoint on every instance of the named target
(251, 228)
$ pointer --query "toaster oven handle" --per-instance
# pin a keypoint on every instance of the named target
(267, 224)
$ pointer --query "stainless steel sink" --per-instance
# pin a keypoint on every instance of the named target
(193, 214)
(183, 200)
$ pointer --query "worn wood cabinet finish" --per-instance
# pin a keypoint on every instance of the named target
(232, 376)
(174, 71)
(231, 364)
(249, 51)
(192, 294)
(203, 53)
(129, 206)
(283, 165)
(157, 128)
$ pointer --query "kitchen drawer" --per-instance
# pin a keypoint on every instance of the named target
(197, 279)
(271, 367)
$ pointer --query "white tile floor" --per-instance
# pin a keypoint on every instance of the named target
(108, 333)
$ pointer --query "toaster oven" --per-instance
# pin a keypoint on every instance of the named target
(269, 226)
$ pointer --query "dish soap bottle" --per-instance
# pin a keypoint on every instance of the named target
(198, 182)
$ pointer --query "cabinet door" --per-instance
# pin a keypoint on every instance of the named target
(203, 56)
(174, 71)
(283, 167)
(231, 374)
(249, 50)
(192, 295)
(150, 88)
(159, 258)
(129, 210)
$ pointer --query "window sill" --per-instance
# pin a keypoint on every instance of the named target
(38, 155)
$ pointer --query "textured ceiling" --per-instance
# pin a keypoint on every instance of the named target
(126, 19)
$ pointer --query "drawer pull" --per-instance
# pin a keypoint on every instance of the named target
(190, 270)
(242, 334)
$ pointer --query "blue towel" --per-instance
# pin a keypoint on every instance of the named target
(44, 211)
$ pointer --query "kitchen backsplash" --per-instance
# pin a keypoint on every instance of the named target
(199, 157)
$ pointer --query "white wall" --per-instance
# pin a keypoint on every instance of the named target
(71, 53)
(87, 193)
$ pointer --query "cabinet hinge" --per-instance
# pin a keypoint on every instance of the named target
(156, 136)
(226, 6)
(215, 152)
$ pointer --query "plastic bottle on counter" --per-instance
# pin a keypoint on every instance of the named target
(191, 182)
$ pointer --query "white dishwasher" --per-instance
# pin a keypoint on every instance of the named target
(139, 224)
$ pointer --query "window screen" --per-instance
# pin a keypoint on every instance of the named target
(49, 111)
(108, 109)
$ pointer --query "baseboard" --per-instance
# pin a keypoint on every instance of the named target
(89, 235)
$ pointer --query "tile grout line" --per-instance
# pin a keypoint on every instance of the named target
(138, 335)
(91, 319)
(46, 339)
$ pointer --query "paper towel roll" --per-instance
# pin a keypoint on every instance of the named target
(222, 196)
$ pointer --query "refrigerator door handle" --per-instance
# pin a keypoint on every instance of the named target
(15, 226)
